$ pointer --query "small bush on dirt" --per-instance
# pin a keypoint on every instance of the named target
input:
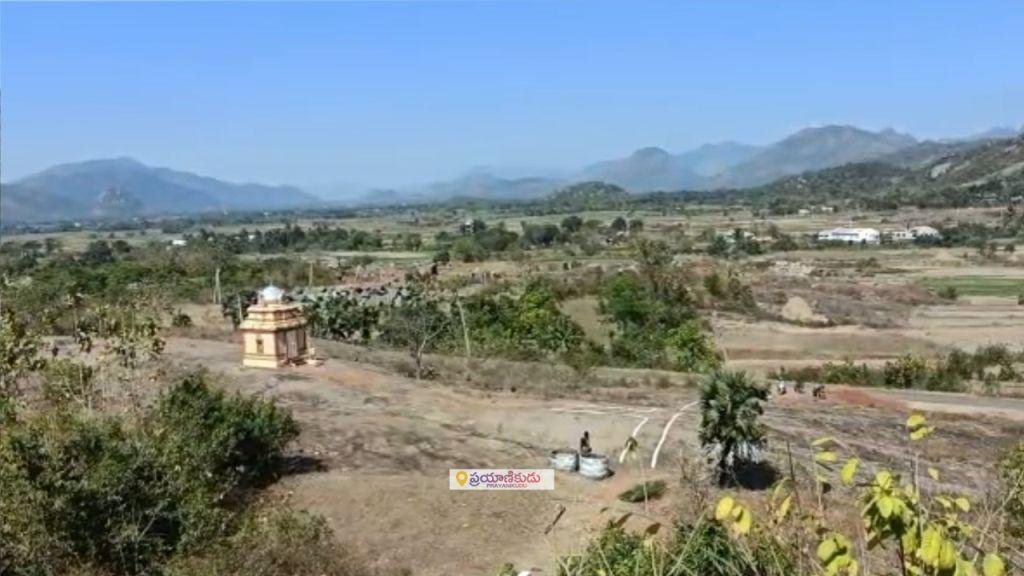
(644, 491)
(181, 320)
(277, 542)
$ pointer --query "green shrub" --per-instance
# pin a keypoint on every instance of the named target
(906, 372)
(81, 489)
(234, 440)
(276, 542)
(644, 491)
(703, 548)
(1012, 468)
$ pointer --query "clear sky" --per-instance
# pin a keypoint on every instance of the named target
(394, 92)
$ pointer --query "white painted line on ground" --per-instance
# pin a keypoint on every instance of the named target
(664, 433)
(639, 426)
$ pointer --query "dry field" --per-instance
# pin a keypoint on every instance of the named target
(376, 448)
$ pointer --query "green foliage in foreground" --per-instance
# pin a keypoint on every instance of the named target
(1012, 468)
(86, 490)
(703, 548)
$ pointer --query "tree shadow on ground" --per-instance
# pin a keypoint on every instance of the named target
(296, 464)
(754, 475)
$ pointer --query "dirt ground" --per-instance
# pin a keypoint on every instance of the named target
(376, 448)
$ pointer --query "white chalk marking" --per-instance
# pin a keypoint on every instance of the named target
(664, 433)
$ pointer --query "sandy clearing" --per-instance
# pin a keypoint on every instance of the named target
(384, 445)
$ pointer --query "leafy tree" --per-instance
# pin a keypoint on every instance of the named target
(467, 249)
(442, 256)
(619, 224)
(235, 306)
(19, 352)
(341, 317)
(691, 350)
(572, 224)
(730, 427)
(907, 371)
(719, 246)
(97, 252)
(540, 234)
(417, 324)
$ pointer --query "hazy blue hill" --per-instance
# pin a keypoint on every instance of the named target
(646, 169)
(712, 159)
(589, 195)
(813, 149)
(483, 185)
(127, 187)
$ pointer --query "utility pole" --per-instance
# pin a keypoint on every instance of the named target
(217, 296)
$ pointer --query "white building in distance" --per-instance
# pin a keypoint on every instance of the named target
(913, 233)
(850, 235)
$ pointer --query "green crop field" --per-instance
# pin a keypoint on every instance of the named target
(978, 285)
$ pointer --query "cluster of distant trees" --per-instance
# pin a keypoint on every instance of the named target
(289, 238)
(476, 240)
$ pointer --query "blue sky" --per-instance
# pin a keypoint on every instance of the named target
(396, 92)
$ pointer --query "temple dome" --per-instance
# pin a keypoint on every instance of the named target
(271, 294)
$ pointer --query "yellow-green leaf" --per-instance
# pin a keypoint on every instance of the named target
(933, 473)
(826, 457)
(915, 421)
(822, 441)
(827, 549)
(742, 524)
(724, 508)
(921, 432)
(993, 565)
(931, 546)
(783, 509)
(947, 555)
(885, 506)
(849, 471)
(963, 504)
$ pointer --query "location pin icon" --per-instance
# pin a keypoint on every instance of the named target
(461, 477)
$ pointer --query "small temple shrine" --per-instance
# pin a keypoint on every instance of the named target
(274, 332)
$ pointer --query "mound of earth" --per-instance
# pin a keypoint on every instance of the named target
(798, 310)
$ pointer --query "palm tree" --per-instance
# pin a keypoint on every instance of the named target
(730, 406)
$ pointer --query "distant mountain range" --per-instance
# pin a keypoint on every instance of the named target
(729, 164)
(123, 187)
(989, 168)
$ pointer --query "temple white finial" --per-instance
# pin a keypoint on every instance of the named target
(271, 294)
